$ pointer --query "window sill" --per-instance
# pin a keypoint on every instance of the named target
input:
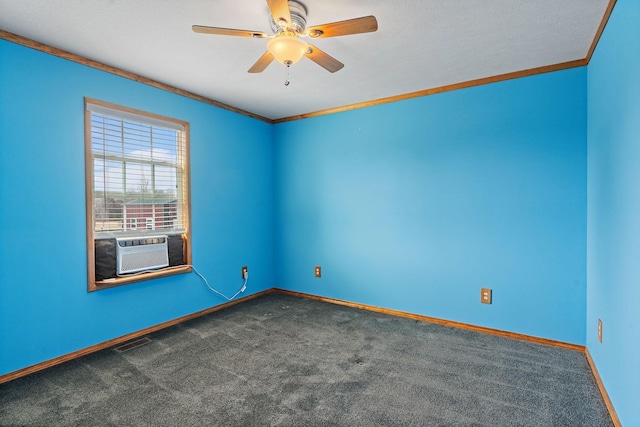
(118, 281)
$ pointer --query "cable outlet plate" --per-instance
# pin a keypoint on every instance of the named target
(245, 270)
(485, 295)
(318, 271)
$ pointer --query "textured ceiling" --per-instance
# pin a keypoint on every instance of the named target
(420, 44)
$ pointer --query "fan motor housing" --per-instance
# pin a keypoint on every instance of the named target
(298, 19)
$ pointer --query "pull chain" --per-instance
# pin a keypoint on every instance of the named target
(286, 79)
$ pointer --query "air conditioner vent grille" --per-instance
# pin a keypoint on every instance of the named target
(140, 254)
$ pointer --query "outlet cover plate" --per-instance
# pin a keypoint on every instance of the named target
(485, 295)
(318, 271)
(600, 330)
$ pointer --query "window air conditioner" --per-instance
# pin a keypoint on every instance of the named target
(134, 254)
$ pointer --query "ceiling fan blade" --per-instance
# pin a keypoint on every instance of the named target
(262, 63)
(327, 62)
(366, 24)
(227, 31)
(279, 10)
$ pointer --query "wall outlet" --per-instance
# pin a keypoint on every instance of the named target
(245, 272)
(485, 295)
(600, 330)
(318, 271)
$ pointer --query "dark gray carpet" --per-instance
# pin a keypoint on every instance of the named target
(279, 360)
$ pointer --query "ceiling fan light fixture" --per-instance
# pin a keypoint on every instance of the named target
(287, 48)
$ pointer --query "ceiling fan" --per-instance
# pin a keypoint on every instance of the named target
(289, 24)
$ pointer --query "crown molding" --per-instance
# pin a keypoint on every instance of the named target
(426, 92)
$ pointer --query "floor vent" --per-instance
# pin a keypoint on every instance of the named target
(132, 344)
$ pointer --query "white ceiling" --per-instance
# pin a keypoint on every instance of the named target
(420, 44)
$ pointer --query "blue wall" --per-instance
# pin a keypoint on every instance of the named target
(416, 205)
(45, 310)
(613, 274)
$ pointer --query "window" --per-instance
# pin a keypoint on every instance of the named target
(137, 179)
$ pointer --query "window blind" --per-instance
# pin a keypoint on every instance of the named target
(139, 177)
